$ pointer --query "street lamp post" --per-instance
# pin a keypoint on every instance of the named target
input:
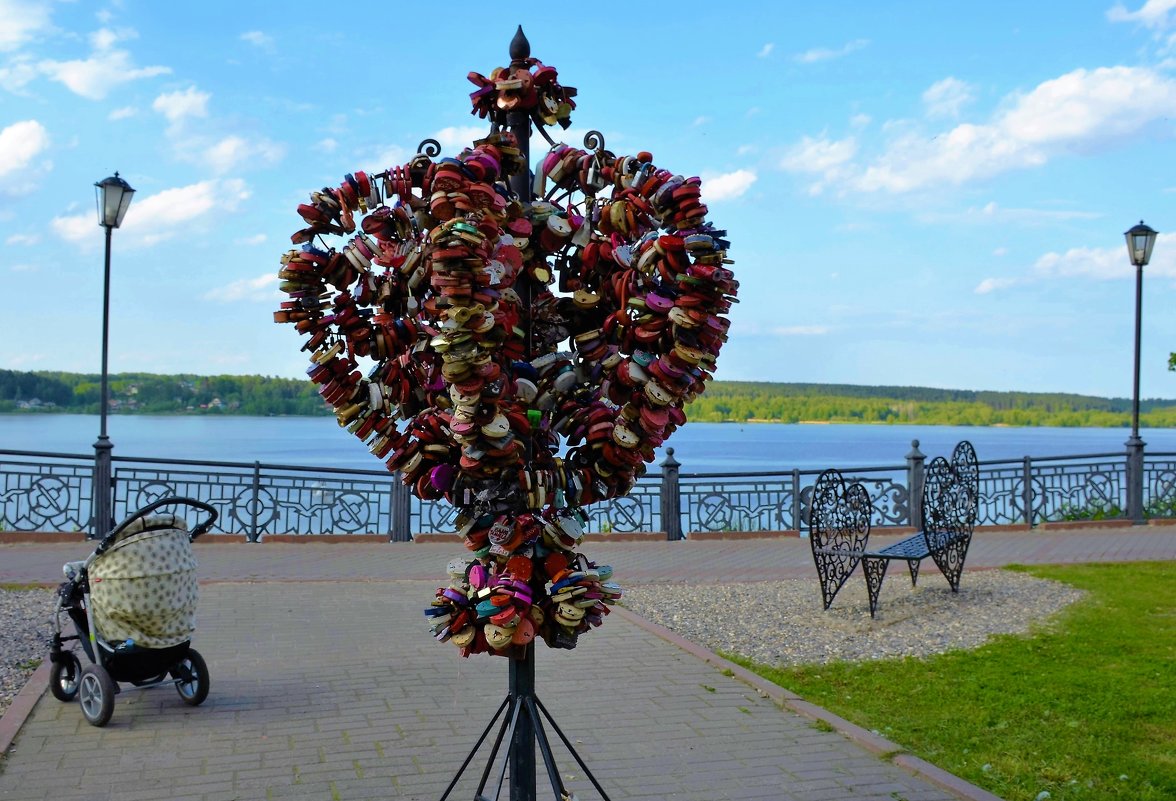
(114, 198)
(1140, 240)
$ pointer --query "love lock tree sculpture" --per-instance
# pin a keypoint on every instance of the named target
(530, 340)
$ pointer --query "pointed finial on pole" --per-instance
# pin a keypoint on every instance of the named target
(520, 48)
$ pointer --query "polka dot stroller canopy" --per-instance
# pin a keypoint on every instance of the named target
(144, 587)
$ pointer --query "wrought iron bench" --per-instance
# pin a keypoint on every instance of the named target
(839, 527)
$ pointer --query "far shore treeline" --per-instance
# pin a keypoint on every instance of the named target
(724, 401)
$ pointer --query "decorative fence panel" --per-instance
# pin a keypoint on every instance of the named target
(1159, 485)
(1073, 489)
(54, 492)
(45, 492)
(269, 499)
(780, 501)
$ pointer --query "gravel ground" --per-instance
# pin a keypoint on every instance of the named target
(781, 623)
(24, 628)
(774, 623)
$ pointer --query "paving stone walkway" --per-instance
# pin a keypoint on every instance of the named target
(326, 685)
(335, 691)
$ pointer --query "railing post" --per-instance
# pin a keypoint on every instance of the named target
(1027, 489)
(671, 499)
(797, 512)
(1135, 480)
(401, 510)
(102, 491)
(915, 477)
(255, 535)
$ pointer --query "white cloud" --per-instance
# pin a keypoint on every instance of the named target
(27, 240)
(25, 268)
(122, 113)
(727, 186)
(17, 74)
(256, 239)
(105, 38)
(261, 288)
(178, 105)
(1074, 112)
(1097, 263)
(387, 156)
(456, 138)
(989, 285)
(23, 21)
(77, 228)
(947, 98)
(161, 216)
(992, 212)
(1105, 264)
(1092, 264)
(766, 50)
(700, 121)
(20, 143)
(818, 155)
(327, 145)
(96, 76)
(801, 330)
(235, 151)
(259, 39)
(1153, 13)
(826, 54)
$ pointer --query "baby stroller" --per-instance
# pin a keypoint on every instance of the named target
(133, 605)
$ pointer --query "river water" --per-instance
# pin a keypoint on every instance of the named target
(699, 447)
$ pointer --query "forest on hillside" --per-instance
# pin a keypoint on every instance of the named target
(724, 401)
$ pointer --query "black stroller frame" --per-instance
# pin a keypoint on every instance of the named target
(110, 663)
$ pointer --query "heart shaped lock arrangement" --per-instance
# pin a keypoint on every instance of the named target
(523, 358)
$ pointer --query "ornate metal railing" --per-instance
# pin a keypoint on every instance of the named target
(54, 492)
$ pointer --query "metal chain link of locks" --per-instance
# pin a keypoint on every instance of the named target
(523, 358)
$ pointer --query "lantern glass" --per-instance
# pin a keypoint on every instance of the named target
(1140, 241)
(114, 198)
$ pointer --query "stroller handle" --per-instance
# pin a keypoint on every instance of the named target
(201, 528)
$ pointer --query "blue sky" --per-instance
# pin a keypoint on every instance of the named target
(923, 193)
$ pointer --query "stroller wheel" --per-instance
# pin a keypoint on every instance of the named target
(96, 695)
(63, 681)
(192, 681)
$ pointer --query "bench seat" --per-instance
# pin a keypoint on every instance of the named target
(840, 527)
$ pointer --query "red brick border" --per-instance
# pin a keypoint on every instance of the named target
(18, 711)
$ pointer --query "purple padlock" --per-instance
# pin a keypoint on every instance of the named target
(441, 477)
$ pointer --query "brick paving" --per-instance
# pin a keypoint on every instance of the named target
(224, 559)
(326, 685)
(334, 691)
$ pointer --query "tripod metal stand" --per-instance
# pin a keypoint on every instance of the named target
(522, 726)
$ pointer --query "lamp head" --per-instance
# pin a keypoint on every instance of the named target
(114, 198)
(1140, 241)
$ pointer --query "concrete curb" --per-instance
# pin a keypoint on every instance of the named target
(786, 699)
(21, 706)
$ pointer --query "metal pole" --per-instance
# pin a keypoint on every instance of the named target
(1135, 444)
(522, 671)
(916, 477)
(798, 517)
(103, 516)
(255, 505)
(1027, 489)
(671, 497)
(522, 744)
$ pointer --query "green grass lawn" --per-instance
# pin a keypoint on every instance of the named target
(1084, 708)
